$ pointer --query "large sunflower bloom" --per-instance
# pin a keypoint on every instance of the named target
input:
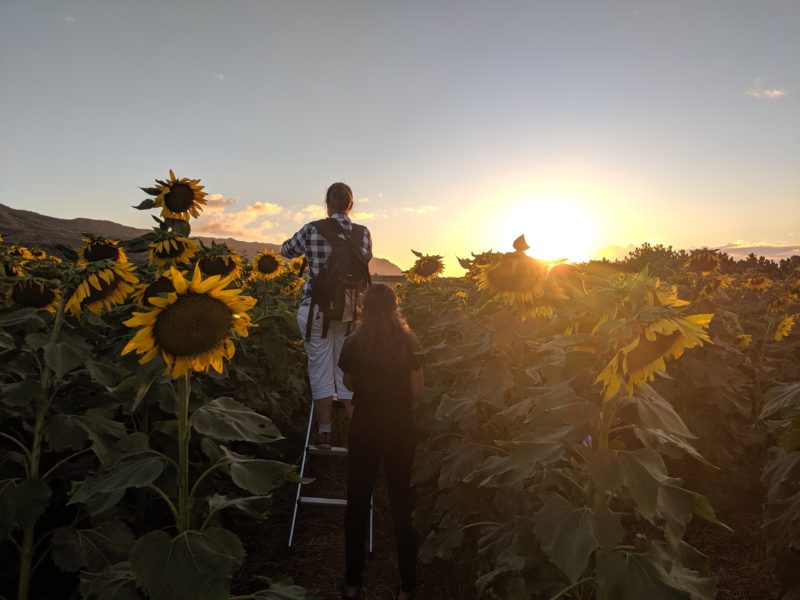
(223, 264)
(757, 282)
(97, 248)
(781, 303)
(32, 293)
(146, 291)
(171, 250)
(513, 277)
(179, 198)
(267, 265)
(703, 262)
(785, 326)
(103, 288)
(710, 288)
(638, 361)
(190, 327)
(426, 268)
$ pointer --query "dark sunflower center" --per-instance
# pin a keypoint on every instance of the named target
(267, 264)
(216, 266)
(31, 295)
(427, 267)
(162, 285)
(167, 250)
(180, 198)
(648, 351)
(512, 275)
(100, 251)
(106, 289)
(192, 325)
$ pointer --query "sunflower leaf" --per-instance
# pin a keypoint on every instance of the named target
(261, 477)
(282, 590)
(195, 565)
(520, 245)
(225, 419)
(256, 507)
(120, 476)
(179, 226)
(115, 582)
(93, 549)
(569, 535)
(105, 374)
(145, 204)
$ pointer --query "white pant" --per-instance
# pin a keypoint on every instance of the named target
(323, 355)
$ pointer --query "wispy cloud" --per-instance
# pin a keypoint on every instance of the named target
(759, 92)
(220, 76)
(367, 216)
(421, 210)
(768, 249)
(71, 19)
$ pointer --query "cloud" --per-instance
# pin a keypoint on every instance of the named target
(220, 76)
(71, 19)
(250, 223)
(774, 250)
(367, 216)
(759, 92)
(421, 210)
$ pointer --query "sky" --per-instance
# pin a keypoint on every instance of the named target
(589, 126)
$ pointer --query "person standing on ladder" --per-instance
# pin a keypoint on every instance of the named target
(337, 253)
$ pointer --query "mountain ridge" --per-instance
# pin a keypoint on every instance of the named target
(30, 228)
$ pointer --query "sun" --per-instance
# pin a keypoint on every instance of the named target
(553, 228)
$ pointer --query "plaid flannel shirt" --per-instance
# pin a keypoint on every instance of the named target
(316, 248)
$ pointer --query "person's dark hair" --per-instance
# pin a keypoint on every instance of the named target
(339, 197)
(382, 334)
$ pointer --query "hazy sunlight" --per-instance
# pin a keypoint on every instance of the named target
(553, 228)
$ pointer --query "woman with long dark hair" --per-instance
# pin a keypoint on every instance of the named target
(380, 366)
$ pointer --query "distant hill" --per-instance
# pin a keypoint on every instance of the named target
(28, 228)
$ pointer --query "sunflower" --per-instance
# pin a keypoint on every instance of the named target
(10, 269)
(426, 268)
(781, 303)
(785, 326)
(638, 361)
(472, 265)
(20, 252)
(703, 262)
(96, 248)
(102, 287)
(757, 282)
(178, 198)
(657, 295)
(743, 340)
(144, 292)
(711, 287)
(296, 264)
(33, 293)
(513, 277)
(170, 249)
(190, 327)
(267, 265)
(220, 260)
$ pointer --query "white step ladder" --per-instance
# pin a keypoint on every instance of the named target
(309, 450)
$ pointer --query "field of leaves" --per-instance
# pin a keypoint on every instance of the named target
(577, 419)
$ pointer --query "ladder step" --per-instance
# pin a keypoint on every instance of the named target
(327, 501)
(333, 451)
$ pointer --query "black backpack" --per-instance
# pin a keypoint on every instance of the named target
(343, 277)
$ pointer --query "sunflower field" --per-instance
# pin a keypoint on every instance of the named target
(128, 431)
(582, 425)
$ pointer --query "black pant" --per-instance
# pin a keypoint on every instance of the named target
(373, 437)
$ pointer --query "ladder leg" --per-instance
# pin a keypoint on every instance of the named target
(302, 472)
(371, 521)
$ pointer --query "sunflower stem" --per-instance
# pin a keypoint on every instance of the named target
(184, 434)
(42, 405)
